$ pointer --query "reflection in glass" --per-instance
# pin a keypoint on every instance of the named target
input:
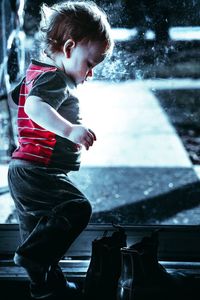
(143, 106)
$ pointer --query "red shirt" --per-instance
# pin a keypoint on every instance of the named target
(35, 143)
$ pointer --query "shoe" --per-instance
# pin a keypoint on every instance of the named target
(26, 263)
(55, 287)
(37, 275)
(41, 291)
(47, 283)
(71, 291)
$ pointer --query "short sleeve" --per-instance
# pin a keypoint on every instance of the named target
(51, 87)
(15, 92)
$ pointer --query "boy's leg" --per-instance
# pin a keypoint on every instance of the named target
(47, 243)
(62, 222)
(54, 234)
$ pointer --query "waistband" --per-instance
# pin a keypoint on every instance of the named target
(30, 165)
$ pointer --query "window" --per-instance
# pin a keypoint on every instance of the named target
(143, 106)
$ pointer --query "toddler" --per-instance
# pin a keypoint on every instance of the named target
(52, 211)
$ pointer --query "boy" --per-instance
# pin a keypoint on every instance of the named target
(52, 211)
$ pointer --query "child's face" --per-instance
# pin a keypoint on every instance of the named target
(84, 56)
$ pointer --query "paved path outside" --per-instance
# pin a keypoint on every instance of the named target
(131, 127)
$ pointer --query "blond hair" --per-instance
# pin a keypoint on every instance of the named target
(77, 20)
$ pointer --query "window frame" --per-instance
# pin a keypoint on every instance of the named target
(176, 243)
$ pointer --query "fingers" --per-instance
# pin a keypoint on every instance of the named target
(78, 146)
(89, 139)
(92, 132)
(88, 142)
(81, 135)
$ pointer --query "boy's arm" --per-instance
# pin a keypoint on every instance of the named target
(47, 117)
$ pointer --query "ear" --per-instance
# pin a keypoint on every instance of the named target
(68, 47)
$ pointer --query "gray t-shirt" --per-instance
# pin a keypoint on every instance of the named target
(59, 91)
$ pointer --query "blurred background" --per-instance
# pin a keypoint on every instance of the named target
(143, 104)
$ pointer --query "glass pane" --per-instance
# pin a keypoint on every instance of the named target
(143, 105)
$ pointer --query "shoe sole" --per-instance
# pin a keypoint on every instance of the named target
(46, 296)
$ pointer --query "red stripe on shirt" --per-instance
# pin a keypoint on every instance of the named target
(35, 143)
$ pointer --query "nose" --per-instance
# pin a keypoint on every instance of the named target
(90, 73)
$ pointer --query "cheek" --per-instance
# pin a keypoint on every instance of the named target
(82, 70)
(82, 73)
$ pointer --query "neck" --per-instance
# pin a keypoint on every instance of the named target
(54, 60)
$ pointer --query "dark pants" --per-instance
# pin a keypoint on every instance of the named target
(52, 211)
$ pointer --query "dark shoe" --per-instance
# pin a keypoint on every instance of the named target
(41, 291)
(35, 271)
(55, 287)
(154, 272)
(47, 283)
(71, 291)
(105, 266)
(142, 276)
(26, 263)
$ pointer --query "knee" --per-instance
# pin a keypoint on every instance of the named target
(77, 211)
(82, 211)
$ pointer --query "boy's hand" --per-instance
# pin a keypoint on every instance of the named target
(82, 135)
